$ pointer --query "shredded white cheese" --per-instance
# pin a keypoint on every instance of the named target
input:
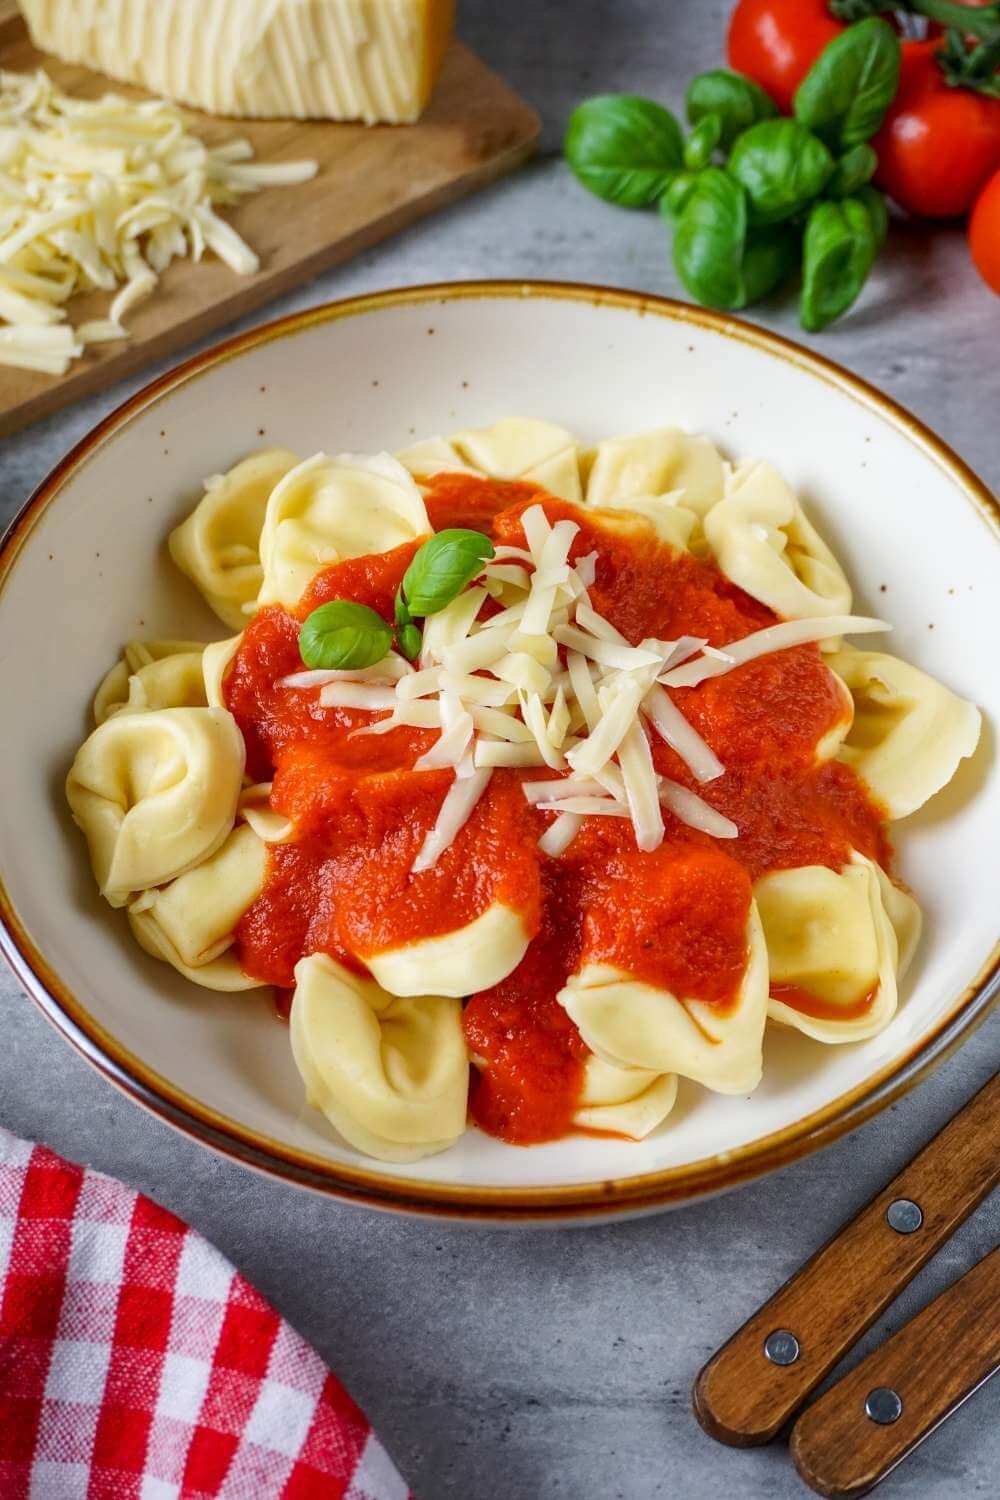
(695, 811)
(641, 790)
(455, 812)
(102, 194)
(367, 695)
(549, 682)
(763, 642)
(560, 834)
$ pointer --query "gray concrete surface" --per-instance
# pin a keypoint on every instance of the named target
(526, 1367)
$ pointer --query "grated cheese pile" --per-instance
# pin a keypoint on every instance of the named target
(549, 682)
(104, 194)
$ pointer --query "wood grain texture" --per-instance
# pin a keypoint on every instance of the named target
(740, 1397)
(933, 1364)
(373, 181)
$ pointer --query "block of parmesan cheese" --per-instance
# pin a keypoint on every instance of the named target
(371, 60)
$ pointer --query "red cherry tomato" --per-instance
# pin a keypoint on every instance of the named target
(776, 42)
(984, 233)
(938, 144)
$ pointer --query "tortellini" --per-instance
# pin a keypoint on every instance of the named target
(172, 678)
(255, 809)
(470, 958)
(330, 508)
(829, 743)
(624, 1101)
(908, 733)
(673, 524)
(391, 1075)
(667, 464)
(183, 839)
(837, 943)
(190, 923)
(155, 793)
(522, 448)
(218, 546)
(630, 1024)
(215, 660)
(432, 456)
(151, 674)
(762, 541)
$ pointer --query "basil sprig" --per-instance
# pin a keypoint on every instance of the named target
(710, 239)
(408, 635)
(442, 567)
(783, 167)
(623, 148)
(699, 148)
(853, 170)
(343, 634)
(736, 101)
(840, 246)
(719, 256)
(751, 194)
(845, 94)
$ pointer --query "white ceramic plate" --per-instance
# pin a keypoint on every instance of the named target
(85, 568)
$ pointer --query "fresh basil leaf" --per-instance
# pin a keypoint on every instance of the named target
(624, 148)
(770, 256)
(701, 143)
(710, 239)
(402, 614)
(849, 87)
(442, 567)
(408, 637)
(839, 250)
(737, 100)
(782, 166)
(674, 200)
(878, 211)
(409, 641)
(853, 170)
(342, 634)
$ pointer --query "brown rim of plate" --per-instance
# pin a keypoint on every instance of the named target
(580, 1201)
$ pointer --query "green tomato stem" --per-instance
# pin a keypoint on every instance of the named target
(981, 22)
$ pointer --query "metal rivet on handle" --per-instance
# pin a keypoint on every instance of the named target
(904, 1216)
(883, 1405)
(782, 1347)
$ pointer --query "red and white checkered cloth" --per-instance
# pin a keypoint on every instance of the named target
(137, 1364)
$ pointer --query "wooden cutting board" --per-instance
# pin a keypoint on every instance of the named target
(373, 180)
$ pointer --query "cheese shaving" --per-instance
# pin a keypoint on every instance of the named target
(565, 786)
(392, 669)
(367, 695)
(454, 813)
(103, 194)
(489, 752)
(693, 810)
(533, 713)
(607, 653)
(682, 737)
(457, 730)
(593, 807)
(763, 642)
(559, 720)
(619, 706)
(559, 835)
(641, 790)
(524, 672)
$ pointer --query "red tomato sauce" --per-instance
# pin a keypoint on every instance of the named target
(819, 1009)
(675, 918)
